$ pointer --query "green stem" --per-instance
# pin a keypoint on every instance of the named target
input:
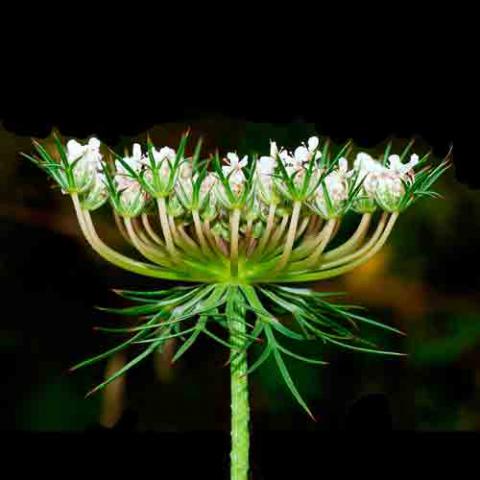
(290, 236)
(240, 409)
(234, 225)
(162, 211)
(199, 231)
(150, 231)
(335, 272)
(268, 229)
(352, 242)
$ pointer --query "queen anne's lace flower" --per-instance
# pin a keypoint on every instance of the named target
(242, 233)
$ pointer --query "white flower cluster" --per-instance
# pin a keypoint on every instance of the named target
(87, 160)
(280, 178)
(382, 184)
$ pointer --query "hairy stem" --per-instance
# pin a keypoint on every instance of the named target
(240, 409)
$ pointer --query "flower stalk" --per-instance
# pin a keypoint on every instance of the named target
(240, 409)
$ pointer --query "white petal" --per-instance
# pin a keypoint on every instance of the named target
(395, 159)
(266, 165)
(233, 158)
(285, 158)
(273, 149)
(363, 157)
(74, 149)
(137, 151)
(343, 165)
(170, 153)
(243, 162)
(312, 143)
(166, 152)
(301, 154)
(94, 143)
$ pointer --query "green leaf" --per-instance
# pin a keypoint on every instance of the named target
(61, 151)
(220, 340)
(373, 322)
(166, 337)
(386, 153)
(286, 375)
(262, 358)
(134, 311)
(110, 352)
(124, 369)
(191, 340)
(300, 357)
(367, 350)
(406, 150)
(156, 293)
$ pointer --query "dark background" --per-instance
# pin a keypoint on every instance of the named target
(426, 282)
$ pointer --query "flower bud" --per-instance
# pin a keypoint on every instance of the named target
(158, 179)
(87, 159)
(132, 201)
(233, 172)
(264, 180)
(331, 196)
(97, 195)
(389, 191)
(365, 171)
